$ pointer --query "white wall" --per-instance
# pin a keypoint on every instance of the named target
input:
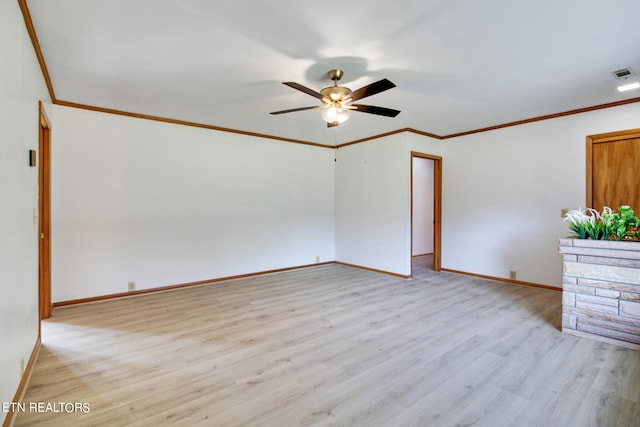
(373, 199)
(424, 144)
(163, 204)
(423, 206)
(503, 192)
(21, 86)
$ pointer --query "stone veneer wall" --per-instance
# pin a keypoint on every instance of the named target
(601, 289)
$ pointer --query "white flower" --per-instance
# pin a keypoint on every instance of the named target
(577, 216)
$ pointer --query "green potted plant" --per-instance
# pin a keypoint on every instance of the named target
(588, 223)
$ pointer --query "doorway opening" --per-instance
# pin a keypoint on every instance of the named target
(44, 215)
(426, 210)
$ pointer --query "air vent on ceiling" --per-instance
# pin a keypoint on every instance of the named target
(623, 73)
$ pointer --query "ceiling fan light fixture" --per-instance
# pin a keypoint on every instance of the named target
(335, 114)
(338, 100)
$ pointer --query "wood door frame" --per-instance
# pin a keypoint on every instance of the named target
(437, 207)
(44, 214)
(597, 139)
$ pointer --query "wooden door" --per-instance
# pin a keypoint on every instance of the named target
(44, 168)
(613, 170)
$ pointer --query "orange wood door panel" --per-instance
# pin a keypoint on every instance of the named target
(616, 174)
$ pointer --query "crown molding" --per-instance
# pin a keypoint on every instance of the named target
(186, 123)
(36, 47)
(545, 117)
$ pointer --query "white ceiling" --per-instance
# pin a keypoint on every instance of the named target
(458, 64)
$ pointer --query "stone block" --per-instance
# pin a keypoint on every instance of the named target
(569, 321)
(566, 242)
(630, 309)
(580, 312)
(605, 244)
(608, 285)
(579, 289)
(609, 273)
(568, 299)
(621, 262)
(616, 326)
(607, 293)
(609, 333)
(611, 253)
(630, 296)
(597, 307)
(612, 302)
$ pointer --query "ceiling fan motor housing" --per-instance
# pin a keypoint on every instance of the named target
(336, 93)
(335, 75)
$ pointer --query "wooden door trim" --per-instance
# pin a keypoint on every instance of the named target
(437, 206)
(44, 214)
(597, 139)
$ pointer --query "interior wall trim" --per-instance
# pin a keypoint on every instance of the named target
(402, 276)
(345, 144)
(500, 279)
(181, 285)
(499, 126)
(24, 382)
(43, 114)
(36, 47)
(393, 132)
(210, 281)
(186, 123)
(545, 117)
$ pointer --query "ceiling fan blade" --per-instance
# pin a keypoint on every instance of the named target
(372, 89)
(306, 90)
(292, 110)
(381, 111)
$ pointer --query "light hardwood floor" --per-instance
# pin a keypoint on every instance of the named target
(332, 345)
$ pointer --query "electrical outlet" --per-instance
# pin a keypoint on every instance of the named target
(21, 367)
(317, 259)
(512, 275)
(132, 286)
(563, 212)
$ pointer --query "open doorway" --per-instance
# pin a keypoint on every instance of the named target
(426, 189)
(44, 213)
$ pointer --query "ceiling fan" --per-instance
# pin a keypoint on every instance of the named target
(337, 100)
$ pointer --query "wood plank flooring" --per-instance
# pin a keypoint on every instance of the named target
(332, 346)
